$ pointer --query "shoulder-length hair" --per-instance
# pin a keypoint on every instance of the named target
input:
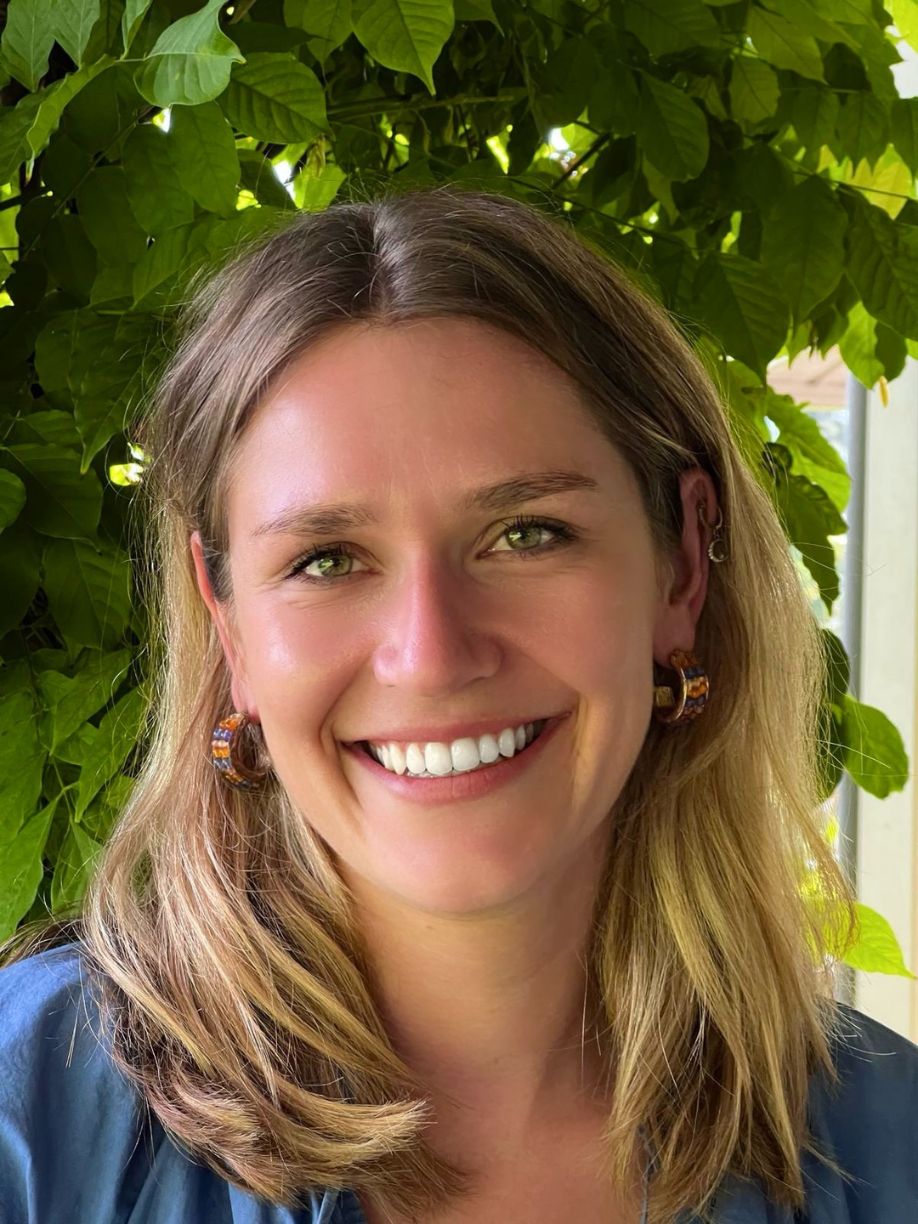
(234, 979)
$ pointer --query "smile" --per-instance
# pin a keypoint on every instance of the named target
(436, 759)
(427, 788)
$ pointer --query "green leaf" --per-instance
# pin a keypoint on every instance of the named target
(672, 130)
(803, 244)
(19, 553)
(813, 454)
(164, 261)
(614, 98)
(476, 10)
(407, 35)
(117, 736)
(274, 97)
(22, 761)
(73, 23)
(12, 498)
(559, 88)
(70, 257)
(156, 198)
(190, 61)
(838, 667)
(27, 40)
(875, 755)
(74, 867)
(810, 517)
(46, 425)
(61, 502)
(106, 33)
(22, 869)
(102, 114)
(53, 100)
(784, 44)
(854, 12)
(674, 266)
(813, 111)
(134, 13)
(64, 165)
(753, 91)
(743, 306)
(905, 18)
(883, 264)
(329, 21)
(314, 192)
(664, 26)
(88, 589)
(863, 127)
(904, 125)
(203, 152)
(876, 949)
(112, 288)
(102, 201)
(869, 349)
(14, 127)
(96, 362)
(71, 700)
(806, 16)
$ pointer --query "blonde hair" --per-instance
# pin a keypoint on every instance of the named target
(215, 912)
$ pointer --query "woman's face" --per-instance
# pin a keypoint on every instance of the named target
(435, 618)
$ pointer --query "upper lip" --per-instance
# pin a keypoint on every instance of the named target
(454, 731)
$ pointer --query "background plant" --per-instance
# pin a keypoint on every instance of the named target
(751, 163)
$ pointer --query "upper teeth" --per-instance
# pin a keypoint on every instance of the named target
(437, 759)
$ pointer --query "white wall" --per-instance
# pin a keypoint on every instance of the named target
(887, 829)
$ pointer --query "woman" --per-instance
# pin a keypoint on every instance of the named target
(487, 901)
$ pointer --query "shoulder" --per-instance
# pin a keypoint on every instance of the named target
(49, 1030)
(76, 1141)
(868, 1123)
(69, 1121)
(877, 1072)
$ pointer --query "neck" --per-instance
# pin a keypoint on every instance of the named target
(492, 1009)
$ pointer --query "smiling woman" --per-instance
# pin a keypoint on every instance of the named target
(475, 872)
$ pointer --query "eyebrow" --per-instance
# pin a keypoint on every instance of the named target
(344, 516)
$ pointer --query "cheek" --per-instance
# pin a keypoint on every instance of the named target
(293, 659)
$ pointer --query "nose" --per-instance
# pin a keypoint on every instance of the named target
(431, 640)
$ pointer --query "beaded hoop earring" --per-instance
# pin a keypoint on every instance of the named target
(695, 688)
(227, 756)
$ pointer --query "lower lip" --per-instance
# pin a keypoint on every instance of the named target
(456, 787)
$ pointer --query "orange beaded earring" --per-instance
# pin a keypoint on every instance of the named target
(695, 688)
(228, 754)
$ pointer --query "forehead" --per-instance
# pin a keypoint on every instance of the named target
(415, 412)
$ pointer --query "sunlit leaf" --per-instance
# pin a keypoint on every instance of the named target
(876, 949)
(875, 755)
(190, 61)
(407, 35)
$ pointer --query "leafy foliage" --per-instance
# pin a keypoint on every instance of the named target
(749, 161)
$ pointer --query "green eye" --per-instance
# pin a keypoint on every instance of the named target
(325, 558)
(525, 526)
(522, 533)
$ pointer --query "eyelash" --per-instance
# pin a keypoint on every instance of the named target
(563, 533)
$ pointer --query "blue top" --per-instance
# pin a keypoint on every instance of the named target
(73, 1149)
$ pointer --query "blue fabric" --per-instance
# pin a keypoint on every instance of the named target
(74, 1148)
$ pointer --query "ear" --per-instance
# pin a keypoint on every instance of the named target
(220, 614)
(684, 596)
